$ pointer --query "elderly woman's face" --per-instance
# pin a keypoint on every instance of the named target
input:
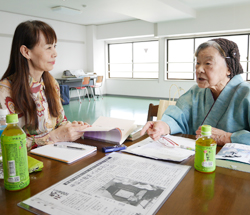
(211, 70)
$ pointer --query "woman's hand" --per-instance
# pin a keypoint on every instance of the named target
(220, 136)
(155, 129)
(79, 123)
(68, 132)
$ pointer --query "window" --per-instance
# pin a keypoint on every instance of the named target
(133, 60)
(180, 63)
(180, 59)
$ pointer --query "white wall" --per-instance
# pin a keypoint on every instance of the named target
(95, 54)
(136, 28)
(224, 19)
(71, 45)
(141, 88)
(85, 46)
(147, 88)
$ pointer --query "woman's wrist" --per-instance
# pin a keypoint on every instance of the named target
(167, 129)
(53, 137)
(228, 137)
(223, 138)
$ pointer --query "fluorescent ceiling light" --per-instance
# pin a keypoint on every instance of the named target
(66, 10)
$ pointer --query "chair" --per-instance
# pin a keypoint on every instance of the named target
(152, 111)
(97, 85)
(163, 104)
(84, 85)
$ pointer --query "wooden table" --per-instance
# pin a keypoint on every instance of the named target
(223, 192)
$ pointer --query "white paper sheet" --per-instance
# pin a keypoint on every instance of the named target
(157, 150)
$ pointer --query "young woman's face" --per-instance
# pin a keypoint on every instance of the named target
(211, 70)
(42, 56)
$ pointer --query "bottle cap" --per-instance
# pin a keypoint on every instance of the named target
(206, 130)
(12, 118)
(4, 112)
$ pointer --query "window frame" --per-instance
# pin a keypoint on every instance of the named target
(132, 60)
(246, 73)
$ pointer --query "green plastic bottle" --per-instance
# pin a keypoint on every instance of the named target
(205, 151)
(14, 152)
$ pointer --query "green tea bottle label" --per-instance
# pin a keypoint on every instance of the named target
(205, 150)
(15, 162)
(205, 158)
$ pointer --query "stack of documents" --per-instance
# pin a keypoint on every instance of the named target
(234, 156)
(136, 134)
(154, 149)
(110, 130)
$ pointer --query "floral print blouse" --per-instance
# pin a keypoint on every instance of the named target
(46, 123)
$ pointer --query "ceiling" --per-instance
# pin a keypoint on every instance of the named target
(97, 12)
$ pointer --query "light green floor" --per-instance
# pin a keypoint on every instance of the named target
(110, 106)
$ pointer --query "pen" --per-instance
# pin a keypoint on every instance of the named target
(186, 147)
(113, 148)
(70, 147)
(168, 142)
(171, 141)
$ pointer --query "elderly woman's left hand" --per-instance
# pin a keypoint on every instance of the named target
(220, 136)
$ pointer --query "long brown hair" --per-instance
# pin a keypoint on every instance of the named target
(28, 34)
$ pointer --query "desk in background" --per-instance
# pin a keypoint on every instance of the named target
(224, 192)
(76, 82)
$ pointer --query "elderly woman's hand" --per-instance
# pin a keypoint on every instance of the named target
(220, 136)
(156, 129)
(68, 132)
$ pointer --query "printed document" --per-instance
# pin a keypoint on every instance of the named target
(157, 150)
(118, 184)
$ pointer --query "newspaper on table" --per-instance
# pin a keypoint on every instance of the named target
(118, 184)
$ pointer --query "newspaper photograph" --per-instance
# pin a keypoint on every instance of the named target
(118, 184)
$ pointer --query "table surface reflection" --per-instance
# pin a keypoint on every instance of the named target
(223, 192)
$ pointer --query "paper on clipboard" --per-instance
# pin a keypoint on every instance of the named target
(156, 150)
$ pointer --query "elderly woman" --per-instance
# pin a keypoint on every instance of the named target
(28, 89)
(221, 98)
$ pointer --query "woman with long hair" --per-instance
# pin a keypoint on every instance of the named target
(28, 89)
